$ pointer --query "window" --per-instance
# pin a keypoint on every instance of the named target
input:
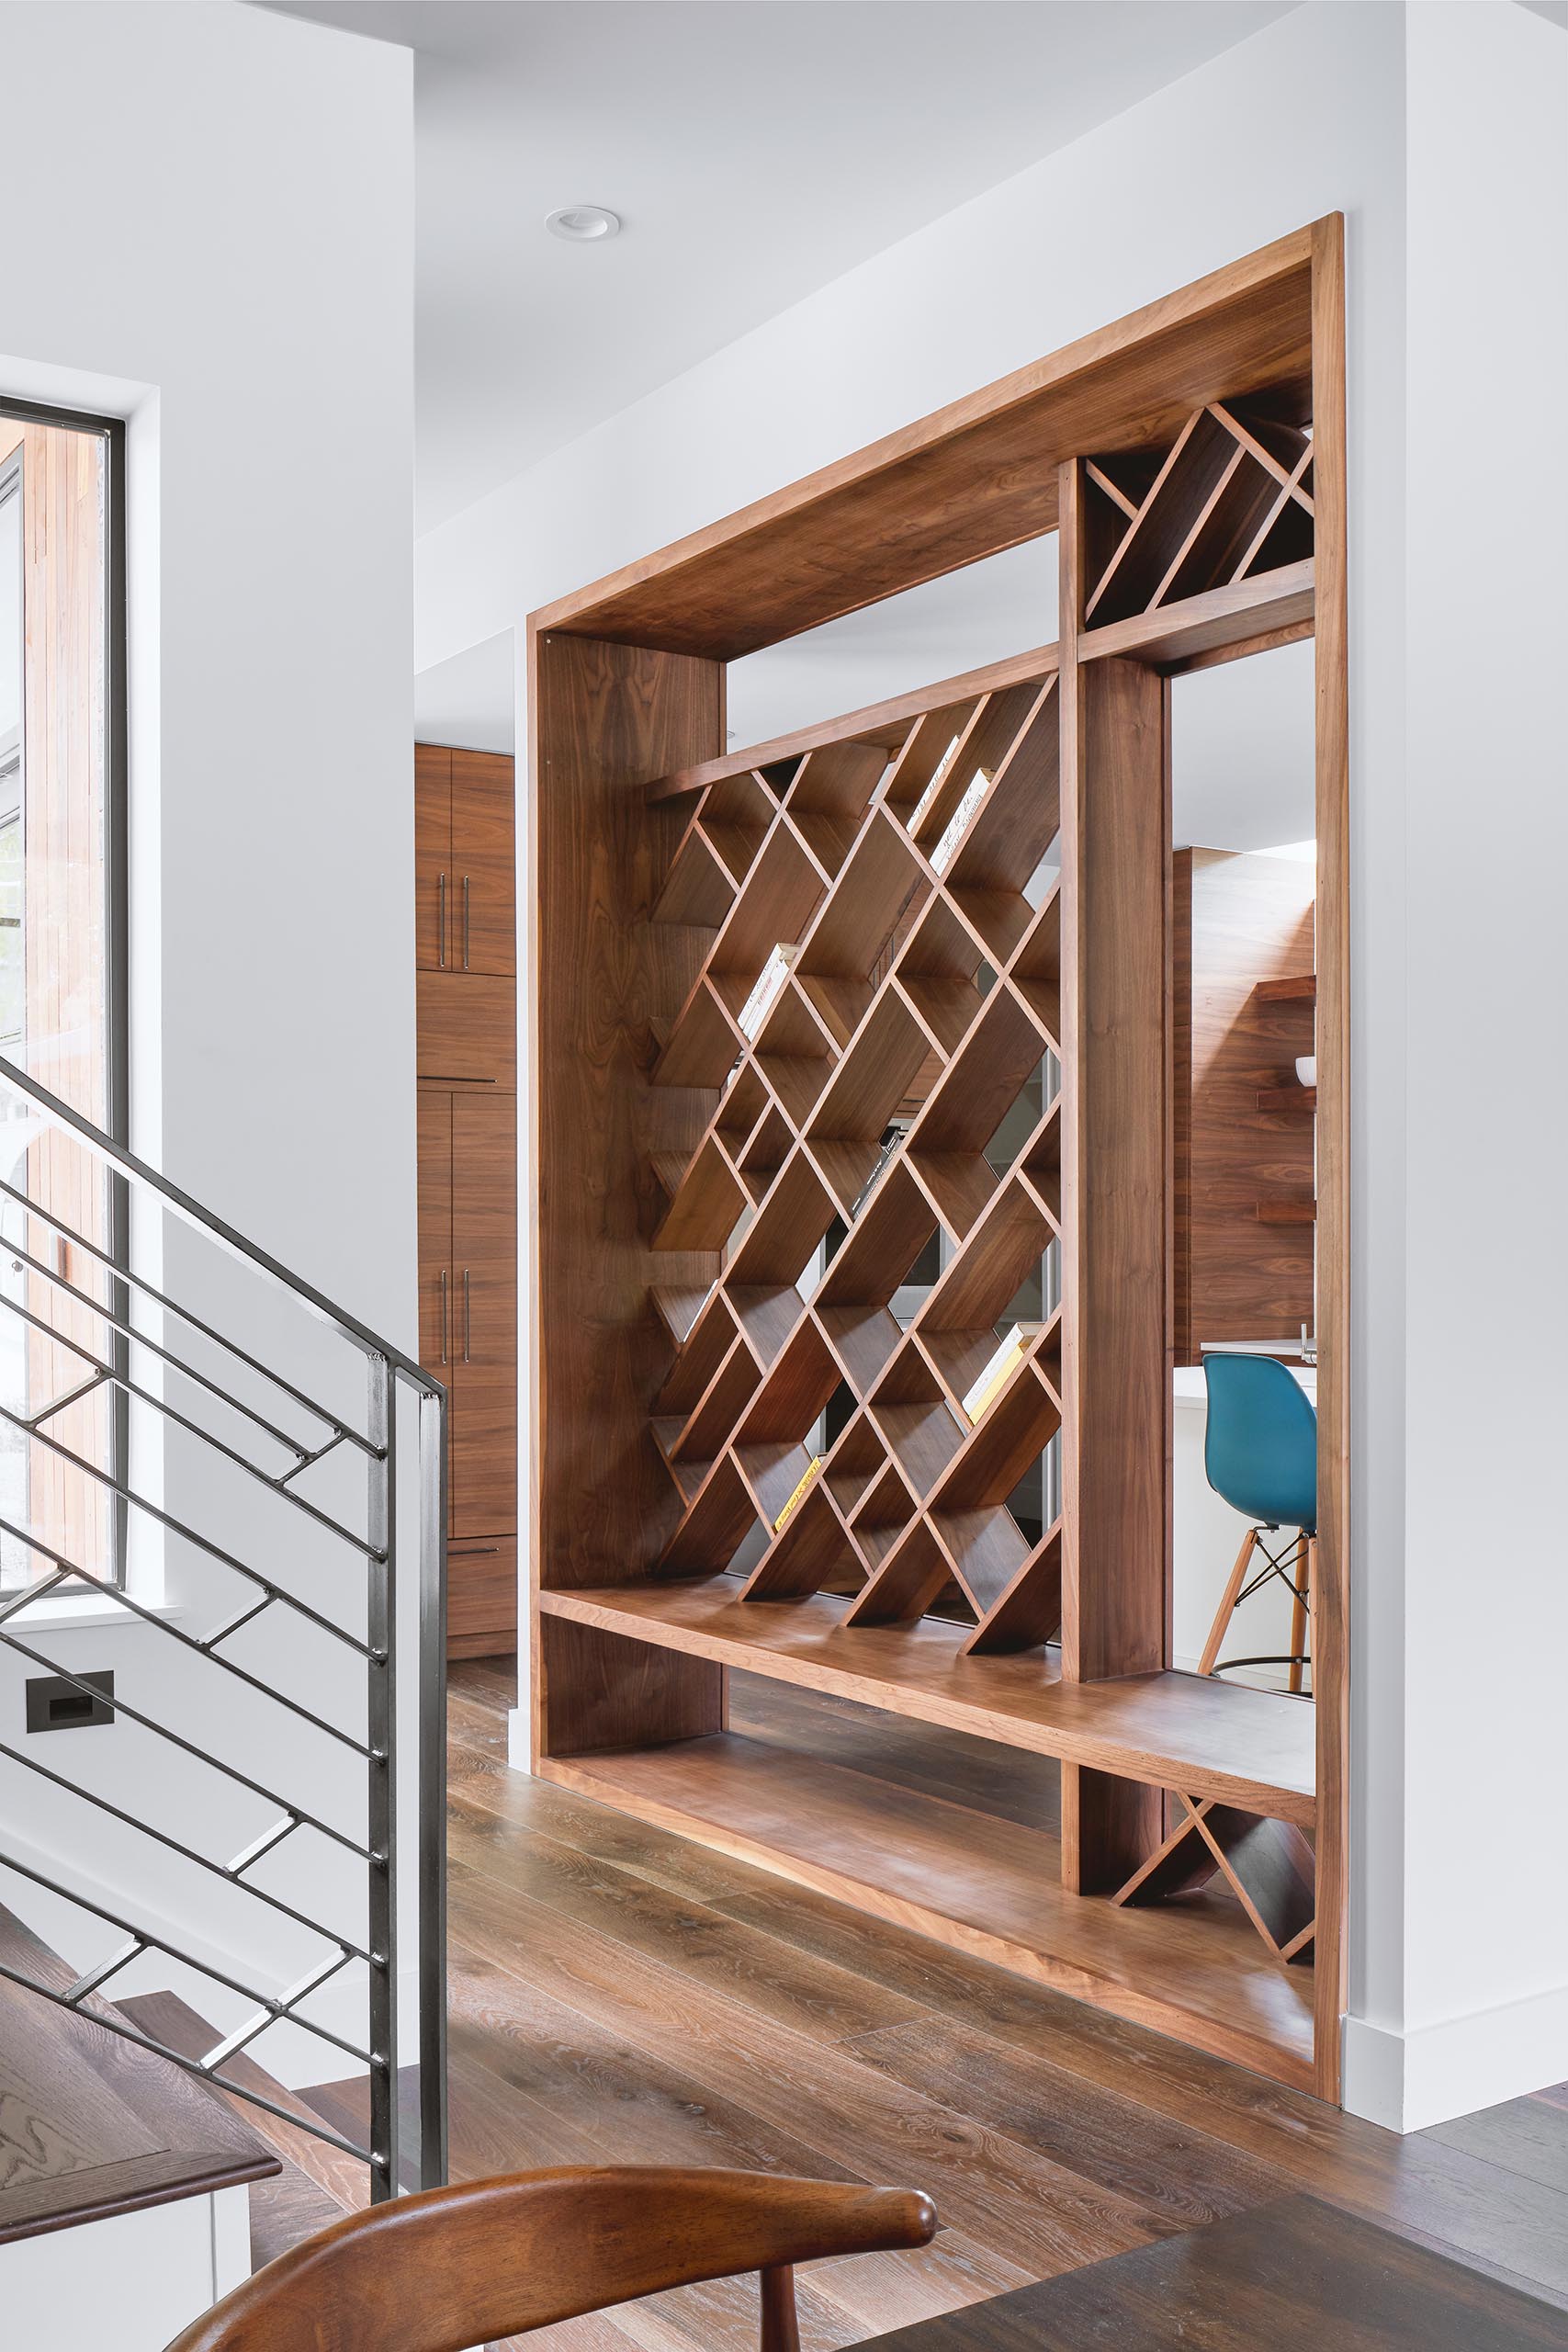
(61, 994)
(11, 666)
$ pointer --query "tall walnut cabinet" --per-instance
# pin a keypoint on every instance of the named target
(466, 949)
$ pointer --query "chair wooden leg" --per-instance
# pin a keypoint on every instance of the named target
(1301, 1576)
(1228, 1603)
(1311, 1589)
(781, 2326)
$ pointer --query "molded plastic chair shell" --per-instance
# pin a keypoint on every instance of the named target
(1260, 1451)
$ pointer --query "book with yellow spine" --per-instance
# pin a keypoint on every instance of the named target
(802, 1488)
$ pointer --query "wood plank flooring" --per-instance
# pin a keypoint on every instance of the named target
(1294, 2275)
(622, 1995)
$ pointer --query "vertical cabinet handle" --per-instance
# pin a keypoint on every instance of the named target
(446, 1315)
(441, 913)
(468, 1319)
(465, 922)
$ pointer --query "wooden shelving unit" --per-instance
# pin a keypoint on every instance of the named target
(727, 1219)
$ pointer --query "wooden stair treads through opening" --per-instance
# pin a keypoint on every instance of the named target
(89, 2125)
(315, 2184)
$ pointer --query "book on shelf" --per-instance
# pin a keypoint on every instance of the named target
(892, 1135)
(957, 824)
(1009, 1355)
(930, 793)
(703, 1305)
(765, 996)
(803, 1486)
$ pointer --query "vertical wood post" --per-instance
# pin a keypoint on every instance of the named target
(1116, 1275)
(1330, 1634)
(603, 720)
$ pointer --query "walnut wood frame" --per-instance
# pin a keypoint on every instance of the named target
(636, 994)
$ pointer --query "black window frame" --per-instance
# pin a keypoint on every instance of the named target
(110, 431)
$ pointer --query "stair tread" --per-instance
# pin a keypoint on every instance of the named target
(89, 2125)
(316, 2180)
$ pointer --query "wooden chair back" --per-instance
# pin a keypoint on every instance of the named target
(458, 2267)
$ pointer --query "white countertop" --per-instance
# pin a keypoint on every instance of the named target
(1190, 1388)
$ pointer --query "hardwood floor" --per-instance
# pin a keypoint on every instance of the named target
(1294, 2275)
(620, 1995)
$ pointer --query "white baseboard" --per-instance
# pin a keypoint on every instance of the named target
(517, 1740)
(1431, 2074)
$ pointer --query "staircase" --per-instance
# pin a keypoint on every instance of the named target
(89, 2128)
(223, 1579)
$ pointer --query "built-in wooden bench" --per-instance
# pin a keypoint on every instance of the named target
(988, 1884)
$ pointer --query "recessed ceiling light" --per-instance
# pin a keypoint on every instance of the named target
(583, 224)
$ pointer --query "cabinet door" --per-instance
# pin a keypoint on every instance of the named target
(484, 1313)
(433, 934)
(435, 1233)
(484, 907)
(468, 1030)
(481, 1596)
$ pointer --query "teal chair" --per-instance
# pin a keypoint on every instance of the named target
(1260, 1453)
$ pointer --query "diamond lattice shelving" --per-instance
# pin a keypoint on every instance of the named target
(926, 989)
(1231, 501)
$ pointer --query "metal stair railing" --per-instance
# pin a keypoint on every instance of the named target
(406, 2148)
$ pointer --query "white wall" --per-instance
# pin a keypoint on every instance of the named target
(1484, 2007)
(221, 241)
(470, 701)
(218, 243)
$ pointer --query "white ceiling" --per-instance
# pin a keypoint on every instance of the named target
(755, 148)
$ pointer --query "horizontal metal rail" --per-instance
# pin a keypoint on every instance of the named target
(192, 2066)
(227, 1871)
(176, 1739)
(129, 1331)
(280, 2012)
(69, 1568)
(188, 1534)
(105, 1375)
(190, 1212)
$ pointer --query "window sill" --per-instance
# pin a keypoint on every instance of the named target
(85, 1612)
